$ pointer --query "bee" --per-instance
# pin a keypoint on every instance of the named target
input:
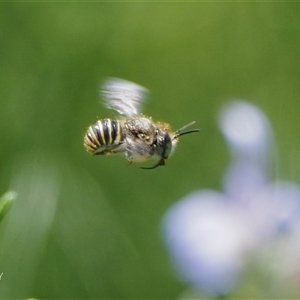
(134, 134)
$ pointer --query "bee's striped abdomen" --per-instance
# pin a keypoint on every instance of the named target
(103, 137)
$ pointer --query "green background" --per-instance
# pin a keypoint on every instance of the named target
(89, 227)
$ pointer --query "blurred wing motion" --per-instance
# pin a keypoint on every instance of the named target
(123, 96)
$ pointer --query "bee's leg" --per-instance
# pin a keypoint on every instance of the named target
(129, 156)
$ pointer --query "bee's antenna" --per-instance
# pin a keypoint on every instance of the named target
(161, 162)
(180, 133)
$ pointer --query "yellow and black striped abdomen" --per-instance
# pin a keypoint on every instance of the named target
(104, 137)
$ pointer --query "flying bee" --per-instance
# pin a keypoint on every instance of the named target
(132, 133)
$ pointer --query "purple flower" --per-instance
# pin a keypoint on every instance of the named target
(210, 235)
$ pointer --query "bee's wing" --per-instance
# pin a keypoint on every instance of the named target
(123, 96)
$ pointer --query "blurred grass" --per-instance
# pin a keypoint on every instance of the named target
(89, 227)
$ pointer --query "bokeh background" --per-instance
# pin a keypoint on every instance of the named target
(90, 227)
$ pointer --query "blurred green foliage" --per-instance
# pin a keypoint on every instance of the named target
(89, 227)
(6, 202)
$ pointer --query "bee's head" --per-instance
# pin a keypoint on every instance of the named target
(165, 143)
